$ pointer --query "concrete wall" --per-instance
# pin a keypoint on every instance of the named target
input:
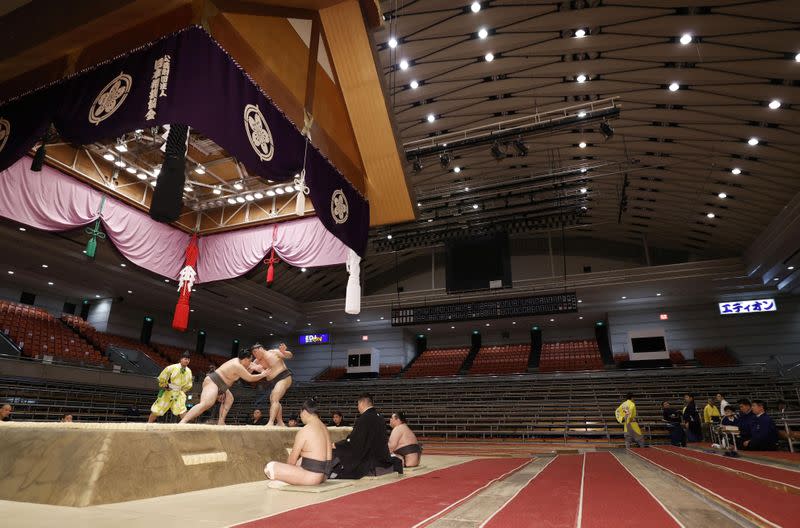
(751, 337)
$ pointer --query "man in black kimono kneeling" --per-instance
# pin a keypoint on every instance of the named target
(365, 452)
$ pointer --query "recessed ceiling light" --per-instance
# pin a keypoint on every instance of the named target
(456, 169)
(240, 199)
(489, 57)
(403, 64)
(753, 141)
(388, 237)
(483, 33)
(393, 43)
(710, 215)
(580, 33)
(790, 268)
(686, 38)
(476, 6)
(774, 104)
(582, 114)
(722, 195)
(431, 118)
(674, 87)
(279, 190)
(109, 156)
(582, 144)
(581, 78)
(583, 190)
(10, 272)
(736, 171)
(303, 270)
(49, 283)
(414, 85)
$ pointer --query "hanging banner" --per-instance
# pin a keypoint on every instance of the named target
(186, 78)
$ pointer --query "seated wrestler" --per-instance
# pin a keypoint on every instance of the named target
(310, 460)
(366, 450)
(218, 383)
(403, 441)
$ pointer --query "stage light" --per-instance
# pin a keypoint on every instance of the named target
(232, 201)
(753, 141)
(582, 144)
(130, 170)
(108, 156)
(482, 33)
(249, 198)
(431, 118)
(393, 43)
(240, 199)
(606, 130)
(583, 190)
(414, 85)
(303, 270)
(456, 169)
(142, 176)
(121, 147)
(188, 188)
(270, 193)
(686, 38)
(736, 171)
(580, 33)
(238, 186)
(200, 169)
(289, 189)
(444, 160)
(489, 57)
(388, 237)
(722, 195)
(582, 114)
(217, 191)
(674, 87)
(156, 172)
(120, 163)
(476, 6)
(278, 190)
(474, 206)
(774, 104)
(581, 78)
(710, 215)
(404, 65)
(258, 195)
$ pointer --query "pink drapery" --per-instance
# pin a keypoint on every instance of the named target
(53, 201)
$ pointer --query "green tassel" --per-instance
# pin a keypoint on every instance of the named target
(91, 247)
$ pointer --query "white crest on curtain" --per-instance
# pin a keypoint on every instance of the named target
(258, 132)
(339, 207)
(5, 132)
(110, 98)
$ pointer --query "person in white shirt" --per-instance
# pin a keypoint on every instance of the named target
(722, 403)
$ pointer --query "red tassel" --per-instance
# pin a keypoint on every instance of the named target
(180, 321)
(271, 269)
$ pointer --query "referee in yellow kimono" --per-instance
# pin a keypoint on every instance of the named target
(626, 415)
(174, 381)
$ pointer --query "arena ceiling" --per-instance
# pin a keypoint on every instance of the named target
(677, 155)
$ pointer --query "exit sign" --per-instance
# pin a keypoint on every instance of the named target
(663, 317)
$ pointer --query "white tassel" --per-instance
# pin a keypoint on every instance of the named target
(302, 191)
(352, 301)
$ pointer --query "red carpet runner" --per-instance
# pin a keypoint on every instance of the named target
(549, 501)
(402, 504)
(783, 476)
(613, 497)
(769, 504)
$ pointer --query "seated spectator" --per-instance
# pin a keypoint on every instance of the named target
(730, 419)
(403, 442)
(309, 463)
(781, 406)
(691, 419)
(366, 450)
(67, 418)
(337, 420)
(5, 412)
(257, 418)
(292, 422)
(710, 417)
(673, 419)
(763, 433)
(745, 420)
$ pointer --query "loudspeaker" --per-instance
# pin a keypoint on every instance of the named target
(168, 194)
(69, 308)
(27, 298)
(84, 310)
(536, 347)
(420, 344)
(476, 340)
(235, 348)
(601, 334)
(147, 330)
(201, 342)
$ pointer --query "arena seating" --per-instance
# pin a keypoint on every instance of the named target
(570, 355)
(38, 334)
(199, 363)
(714, 357)
(390, 371)
(332, 374)
(505, 359)
(676, 357)
(437, 362)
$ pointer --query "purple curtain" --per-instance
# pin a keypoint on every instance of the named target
(186, 78)
(53, 201)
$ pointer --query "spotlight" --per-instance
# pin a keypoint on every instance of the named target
(482, 33)
(217, 191)
(606, 130)
(497, 153)
(520, 147)
(580, 33)
(417, 166)
(476, 6)
(686, 38)
(393, 43)
(414, 85)
(444, 160)
(270, 193)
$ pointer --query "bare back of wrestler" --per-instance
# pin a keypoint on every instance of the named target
(403, 442)
(272, 362)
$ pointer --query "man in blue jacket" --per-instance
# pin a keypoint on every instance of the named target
(745, 421)
(763, 433)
